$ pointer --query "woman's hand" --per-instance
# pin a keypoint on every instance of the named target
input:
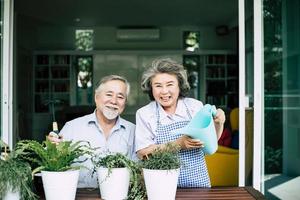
(185, 142)
(219, 120)
(144, 153)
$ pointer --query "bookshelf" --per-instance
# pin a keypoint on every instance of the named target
(221, 80)
(51, 81)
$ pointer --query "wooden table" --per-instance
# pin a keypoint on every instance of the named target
(237, 193)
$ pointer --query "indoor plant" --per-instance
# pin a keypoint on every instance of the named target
(55, 161)
(116, 172)
(16, 179)
(161, 172)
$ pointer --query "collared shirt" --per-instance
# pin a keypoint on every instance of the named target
(146, 120)
(87, 128)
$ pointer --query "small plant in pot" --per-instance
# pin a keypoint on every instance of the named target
(55, 161)
(16, 179)
(119, 177)
(161, 171)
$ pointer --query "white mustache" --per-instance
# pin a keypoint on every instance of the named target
(112, 107)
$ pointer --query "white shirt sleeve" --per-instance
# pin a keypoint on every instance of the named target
(194, 105)
(144, 135)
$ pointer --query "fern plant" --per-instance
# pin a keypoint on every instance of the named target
(165, 158)
(137, 189)
(15, 175)
(54, 157)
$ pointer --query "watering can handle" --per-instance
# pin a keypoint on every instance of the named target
(211, 108)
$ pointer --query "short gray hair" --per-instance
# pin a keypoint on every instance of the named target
(105, 79)
(169, 66)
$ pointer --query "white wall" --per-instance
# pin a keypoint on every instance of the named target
(63, 38)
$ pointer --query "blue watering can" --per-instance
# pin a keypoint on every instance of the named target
(202, 127)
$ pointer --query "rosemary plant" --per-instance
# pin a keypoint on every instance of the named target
(165, 158)
(15, 175)
(54, 157)
(137, 189)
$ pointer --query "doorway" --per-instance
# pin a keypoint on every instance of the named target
(41, 34)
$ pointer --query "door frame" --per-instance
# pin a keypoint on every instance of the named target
(258, 98)
(7, 74)
(258, 95)
(242, 94)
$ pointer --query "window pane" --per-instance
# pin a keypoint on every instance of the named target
(191, 40)
(84, 94)
(282, 98)
(84, 40)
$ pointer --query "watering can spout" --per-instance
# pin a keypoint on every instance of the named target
(202, 127)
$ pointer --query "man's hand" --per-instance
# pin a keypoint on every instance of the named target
(54, 138)
(185, 142)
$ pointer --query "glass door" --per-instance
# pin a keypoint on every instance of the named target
(282, 99)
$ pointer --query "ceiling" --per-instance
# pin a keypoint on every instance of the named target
(130, 12)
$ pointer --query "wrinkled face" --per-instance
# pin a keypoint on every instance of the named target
(111, 99)
(165, 90)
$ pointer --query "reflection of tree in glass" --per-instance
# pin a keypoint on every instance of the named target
(273, 45)
(273, 85)
(273, 160)
(84, 40)
(84, 77)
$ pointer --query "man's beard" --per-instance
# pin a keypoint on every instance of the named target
(110, 113)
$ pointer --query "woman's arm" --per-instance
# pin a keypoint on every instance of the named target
(144, 134)
(184, 142)
(143, 153)
(219, 121)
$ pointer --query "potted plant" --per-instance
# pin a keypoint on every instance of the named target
(118, 177)
(161, 172)
(16, 179)
(55, 161)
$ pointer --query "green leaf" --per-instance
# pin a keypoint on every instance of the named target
(137, 190)
(51, 157)
(16, 175)
(165, 158)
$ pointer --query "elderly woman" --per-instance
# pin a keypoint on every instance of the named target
(167, 86)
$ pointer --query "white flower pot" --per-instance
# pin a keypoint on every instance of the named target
(12, 195)
(161, 184)
(113, 186)
(60, 185)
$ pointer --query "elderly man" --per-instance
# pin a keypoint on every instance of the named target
(104, 127)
